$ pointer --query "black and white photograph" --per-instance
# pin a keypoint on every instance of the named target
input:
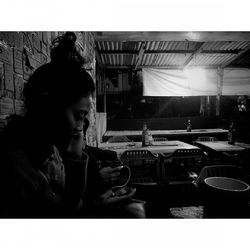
(113, 130)
(125, 124)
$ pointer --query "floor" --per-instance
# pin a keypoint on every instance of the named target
(186, 201)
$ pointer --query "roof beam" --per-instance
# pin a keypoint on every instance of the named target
(241, 66)
(133, 52)
(118, 67)
(156, 67)
(98, 58)
(240, 54)
(107, 52)
(140, 55)
(197, 51)
(195, 36)
(233, 51)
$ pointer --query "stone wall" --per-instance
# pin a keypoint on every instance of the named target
(20, 54)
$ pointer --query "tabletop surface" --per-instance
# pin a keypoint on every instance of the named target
(164, 132)
(157, 147)
(223, 145)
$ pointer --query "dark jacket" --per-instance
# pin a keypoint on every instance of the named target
(35, 181)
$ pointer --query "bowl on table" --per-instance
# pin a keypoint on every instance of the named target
(226, 198)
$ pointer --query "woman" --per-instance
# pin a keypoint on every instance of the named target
(43, 166)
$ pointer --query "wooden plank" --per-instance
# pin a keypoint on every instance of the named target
(197, 51)
(172, 36)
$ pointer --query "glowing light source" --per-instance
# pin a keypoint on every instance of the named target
(193, 36)
(197, 79)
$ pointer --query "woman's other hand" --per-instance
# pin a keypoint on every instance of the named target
(109, 197)
(110, 173)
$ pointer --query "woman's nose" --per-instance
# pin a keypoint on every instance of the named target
(79, 125)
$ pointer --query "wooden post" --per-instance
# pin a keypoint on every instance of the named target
(219, 90)
(208, 106)
(202, 106)
(217, 109)
(104, 94)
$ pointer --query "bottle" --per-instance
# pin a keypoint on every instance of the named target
(231, 134)
(145, 135)
(150, 136)
(189, 126)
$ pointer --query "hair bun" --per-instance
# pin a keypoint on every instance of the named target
(69, 37)
(64, 50)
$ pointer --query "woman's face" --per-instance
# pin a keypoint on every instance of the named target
(72, 121)
(76, 114)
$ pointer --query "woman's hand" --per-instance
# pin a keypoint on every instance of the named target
(109, 197)
(110, 173)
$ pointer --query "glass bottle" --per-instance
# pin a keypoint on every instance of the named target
(189, 126)
(145, 135)
(150, 139)
(231, 134)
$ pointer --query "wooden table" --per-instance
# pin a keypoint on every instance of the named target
(170, 134)
(220, 152)
(242, 144)
(157, 147)
(222, 146)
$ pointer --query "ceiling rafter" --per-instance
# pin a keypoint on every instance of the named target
(98, 58)
(155, 66)
(140, 54)
(133, 52)
(197, 51)
(240, 54)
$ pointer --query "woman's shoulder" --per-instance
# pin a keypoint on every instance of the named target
(13, 156)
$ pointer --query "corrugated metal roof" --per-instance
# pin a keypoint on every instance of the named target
(164, 59)
(211, 59)
(115, 53)
(170, 45)
(227, 45)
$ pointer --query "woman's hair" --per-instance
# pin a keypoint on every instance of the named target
(60, 83)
